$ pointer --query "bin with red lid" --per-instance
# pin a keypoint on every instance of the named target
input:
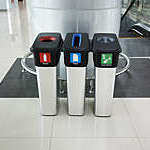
(46, 50)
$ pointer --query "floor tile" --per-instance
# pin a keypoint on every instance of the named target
(139, 110)
(95, 144)
(21, 118)
(5, 66)
(90, 126)
(24, 144)
(145, 143)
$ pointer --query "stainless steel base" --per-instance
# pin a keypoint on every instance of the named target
(105, 81)
(76, 90)
(47, 85)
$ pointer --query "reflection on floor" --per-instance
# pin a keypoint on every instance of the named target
(22, 126)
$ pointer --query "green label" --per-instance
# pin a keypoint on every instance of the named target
(106, 59)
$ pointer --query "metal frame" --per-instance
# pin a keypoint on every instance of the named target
(126, 68)
(25, 66)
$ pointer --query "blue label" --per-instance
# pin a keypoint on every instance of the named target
(75, 58)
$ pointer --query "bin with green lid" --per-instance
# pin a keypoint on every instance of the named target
(106, 49)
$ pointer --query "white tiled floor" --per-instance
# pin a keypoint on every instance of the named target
(21, 124)
(22, 127)
(118, 125)
(5, 65)
(139, 112)
(21, 119)
(145, 143)
(24, 144)
(95, 144)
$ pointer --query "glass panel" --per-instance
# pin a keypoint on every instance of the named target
(140, 12)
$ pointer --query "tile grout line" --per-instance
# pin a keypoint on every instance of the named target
(94, 137)
(22, 138)
(140, 142)
(52, 127)
(50, 143)
(51, 136)
(133, 124)
(36, 138)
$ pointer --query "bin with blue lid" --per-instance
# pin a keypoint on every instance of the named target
(76, 48)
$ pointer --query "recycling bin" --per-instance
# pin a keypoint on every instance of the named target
(76, 47)
(47, 50)
(106, 49)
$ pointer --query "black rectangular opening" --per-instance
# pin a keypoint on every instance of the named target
(76, 41)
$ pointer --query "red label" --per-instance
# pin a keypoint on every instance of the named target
(45, 58)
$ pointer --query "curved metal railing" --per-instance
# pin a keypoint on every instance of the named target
(32, 71)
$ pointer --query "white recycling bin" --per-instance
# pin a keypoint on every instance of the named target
(106, 49)
(46, 50)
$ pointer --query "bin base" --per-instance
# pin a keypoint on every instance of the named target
(76, 90)
(105, 80)
(47, 85)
